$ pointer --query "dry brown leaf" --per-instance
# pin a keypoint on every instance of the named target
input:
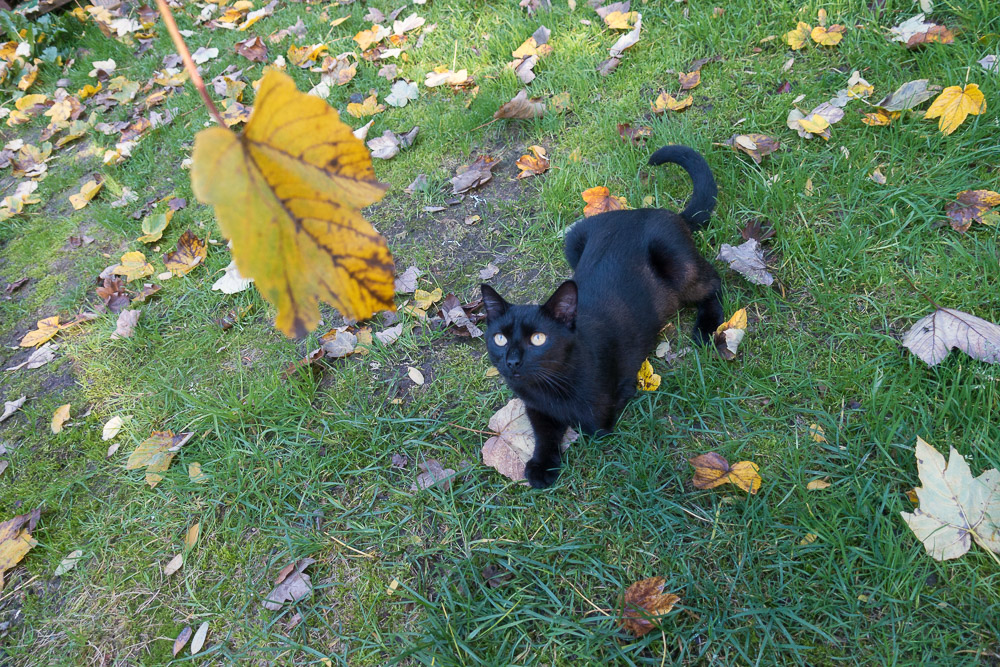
(522, 107)
(689, 80)
(434, 474)
(125, 326)
(533, 166)
(644, 605)
(973, 206)
(477, 174)
(189, 253)
(291, 585)
(754, 145)
(934, 336)
(747, 260)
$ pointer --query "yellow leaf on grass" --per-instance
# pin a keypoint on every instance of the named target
(155, 454)
(424, 299)
(533, 166)
(644, 605)
(195, 473)
(689, 79)
(818, 484)
(796, 39)
(599, 200)
(667, 102)
(47, 328)
(133, 265)
(286, 193)
(87, 192)
(880, 117)
(153, 226)
(191, 537)
(647, 379)
(737, 321)
(89, 90)
(816, 433)
(955, 104)
(621, 20)
(827, 36)
(712, 470)
(306, 56)
(59, 417)
(16, 540)
(190, 252)
(814, 123)
(369, 107)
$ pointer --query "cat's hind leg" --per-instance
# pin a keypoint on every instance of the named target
(576, 241)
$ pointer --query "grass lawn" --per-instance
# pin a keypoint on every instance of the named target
(301, 467)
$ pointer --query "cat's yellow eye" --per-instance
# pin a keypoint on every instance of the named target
(538, 338)
(500, 339)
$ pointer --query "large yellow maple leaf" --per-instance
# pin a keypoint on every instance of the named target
(954, 105)
(287, 193)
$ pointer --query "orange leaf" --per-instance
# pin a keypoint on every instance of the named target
(533, 166)
(644, 604)
(712, 470)
(599, 200)
(190, 252)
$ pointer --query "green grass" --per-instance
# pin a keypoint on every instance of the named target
(301, 467)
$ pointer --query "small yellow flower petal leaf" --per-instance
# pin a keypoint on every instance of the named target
(369, 107)
(191, 536)
(648, 380)
(730, 334)
(808, 539)
(814, 123)
(87, 192)
(190, 252)
(599, 200)
(133, 266)
(195, 473)
(955, 104)
(60, 417)
(287, 193)
(424, 299)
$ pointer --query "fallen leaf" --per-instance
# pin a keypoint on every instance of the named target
(973, 206)
(954, 105)
(990, 63)
(635, 135)
(627, 40)
(747, 260)
(440, 76)
(199, 637)
(955, 508)
(620, 20)
(880, 117)
(424, 299)
(189, 253)
(689, 80)
(111, 428)
(754, 145)
(667, 102)
(182, 639)
(174, 565)
(336, 254)
(195, 474)
(490, 271)
(401, 93)
(644, 605)
(533, 165)
(599, 200)
(816, 433)
(933, 337)
(191, 536)
(415, 376)
(203, 55)
(522, 107)
(291, 585)
(514, 443)
(133, 265)
(818, 485)
(477, 174)
(915, 31)
(796, 39)
(38, 357)
(154, 225)
(808, 539)
(60, 417)
(712, 470)
(15, 539)
(406, 282)
(68, 563)
(87, 192)
(47, 328)
(125, 326)
(827, 36)
(647, 379)
(231, 281)
(389, 144)
(155, 454)
(369, 107)
(434, 474)
(877, 176)
(253, 49)
(9, 408)
(729, 334)
(389, 335)
(909, 95)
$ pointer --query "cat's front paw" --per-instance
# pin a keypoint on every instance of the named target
(541, 474)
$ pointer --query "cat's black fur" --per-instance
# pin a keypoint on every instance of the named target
(633, 271)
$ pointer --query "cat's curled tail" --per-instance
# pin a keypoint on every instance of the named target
(702, 202)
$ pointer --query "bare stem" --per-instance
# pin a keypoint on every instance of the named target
(192, 69)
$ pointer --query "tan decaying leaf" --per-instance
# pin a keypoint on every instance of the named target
(406, 282)
(667, 102)
(644, 605)
(68, 563)
(754, 145)
(87, 192)
(60, 417)
(712, 470)
(173, 565)
(441, 76)
(878, 176)
(112, 428)
(973, 206)
(125, 326)
(818, 485)
(477, 174)
(10, 407)
(189, 253)
(416, 377)
(747, 260)
(689, 80)
(880, 117)
(514, 443)
(291, 585)
(730, 333)
(599, 200)
(133, 265)
(253, 49)
(635, 135)
(182, 640)
(647, 380)
(628, 40)
(796, 39)
(231, 281)
(909, 95)
(274, 187)
(195, 473)
(934, 336)
(191, 536)
(401, 93)
(38, 357)
(155, 454)
(521, 107)
(433, 474)
(915, 31)
(16, 540)
(955, 509)
(533, 165)
(199, 638)
(955, 104)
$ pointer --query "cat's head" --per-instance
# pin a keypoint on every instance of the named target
(531, 345)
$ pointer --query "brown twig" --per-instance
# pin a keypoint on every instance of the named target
(474, 430)
(919, 292)
(192, 69)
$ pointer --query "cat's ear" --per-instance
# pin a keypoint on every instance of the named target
(495, 304)
(561, 306)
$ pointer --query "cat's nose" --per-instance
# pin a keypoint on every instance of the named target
(513, 363)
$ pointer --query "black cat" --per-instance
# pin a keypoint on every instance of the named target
(574, 359)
